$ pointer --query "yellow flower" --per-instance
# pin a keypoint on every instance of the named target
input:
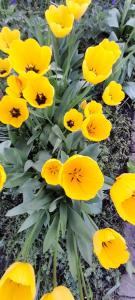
(110, 248)
(50, 171)
(18, 282)
(78, 7)
(2, 177)
(83, 104)
(29, 58)
(112, 46)
(96, 127)
(73, 120)
(59, 293)
(113, 94)
(5, 67)
(97, 64)
(81, 177)
(7, 36)
(39, 92)
(93, 107)
(123, 196)
(60, 20)
(13, 111)
(16, 85)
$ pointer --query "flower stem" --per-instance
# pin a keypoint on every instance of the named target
(78, 271)
(55, 259)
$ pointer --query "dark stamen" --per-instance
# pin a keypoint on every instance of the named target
(41, 99)
(31, 68)
(2, 72)
(15, 112)
(70, 123)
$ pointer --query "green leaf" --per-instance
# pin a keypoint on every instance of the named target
(92, 150)
(56, 129)
(31, 220)
(51, 234)
(131, 22)
(85, 248)
(4, 145)
(71, 253)
(29, 207)
(113, 18)
(94, 207)
(63, 156)
(77, 224)
(17, 180)
(63, 218)
(33, 234)
(129, 89)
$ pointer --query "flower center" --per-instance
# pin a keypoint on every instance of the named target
(31, 68)
(92, 69)
(76, 175)
(106, 244)
(41, 99)
(91, 128)
(15, 112)
(2, 72)
(70, 123)
(53, 170)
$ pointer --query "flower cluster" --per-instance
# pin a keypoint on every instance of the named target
(67, 171)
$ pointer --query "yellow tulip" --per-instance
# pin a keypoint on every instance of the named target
(123, 196)
(110, 248)
(50, 171)
(39, 92)
(7, 36)
(97, 64)
(3, 177)
(18, 282)
(16, 86)
(81, 177)
(93, 107)
(60, 20)
(5, 67)
(78, 7)
(59, 293)
(113, 47)
(113, 94)
(96, 127)
(29, 58)
(73, 120)
(13, 111)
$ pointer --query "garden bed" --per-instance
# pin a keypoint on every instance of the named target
(113, 159)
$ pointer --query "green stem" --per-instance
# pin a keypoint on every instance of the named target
(78, 270)
(55, 268)
(55, 259)
(56, 50)
(83, 281)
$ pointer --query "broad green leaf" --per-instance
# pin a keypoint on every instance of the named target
(77, 224)
(131, 22)
(71, 253)
(29, 207)
(92, 150)
(94, 207)
(33, 234)
(63, 156)
(51, 234)
(31, 220)
(113, 18)
(4, 145)
(129, 89)
(56, 129)
(17, 180)
(85, 248)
